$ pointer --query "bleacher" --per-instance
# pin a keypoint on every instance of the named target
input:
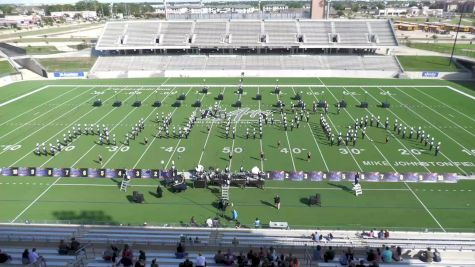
(155, 34)
(251, 62)
(29, 233)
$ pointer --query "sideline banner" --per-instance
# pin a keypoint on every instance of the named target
(58, 74)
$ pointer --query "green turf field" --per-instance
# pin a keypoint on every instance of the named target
(427, 63)
(442, 109)
(467, 50)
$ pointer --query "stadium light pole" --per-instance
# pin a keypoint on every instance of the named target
(457, 33)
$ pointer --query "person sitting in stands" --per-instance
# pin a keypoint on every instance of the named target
(142, 256)
(4, 257)
(154, 263)
(329, 254)
(74, 244)
(257, 223)
(397, 252)
(427, 256)
(180, 251)
(193, 222)
(381, 234)
(209, 222)
(25, 257)
(108, 254)
(386, 234)
(317, 254)
(127, 252)
(343, 260)
(63, 248)
(387, 255)
(139, 263)
(186, 263)
(219, 257)
(229, 258)
(437, 257)
(371, 256)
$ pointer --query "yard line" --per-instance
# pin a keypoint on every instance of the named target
(244, 85)
(17, 128)
(430, 213)
(39, 129)
(232, 146)
(125, 117)
(260, 139)
(71, 124)
(316, 143)
(159, 88)
(458, 91)
(454, 109)
(349, 152)
(36, 199)
(438, 113)
(23, 96)
(392, 134)
(107, 114)
(209, 133)
(288, 142)
(30, 110)
(427, 122)
(155, 137)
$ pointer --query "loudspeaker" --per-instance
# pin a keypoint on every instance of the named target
(137, 103)
(315, 200)
(197, 104)
(343, 104)
(204, 90)
(363, 105)
(117, 103)
(385, 105)
(321, 104)
(258, 97)
(237, 104)
(157, 103)
(137, 197)
(176, 104)
(220, 97)
(97, 103)
(182, 97)
(159, 191)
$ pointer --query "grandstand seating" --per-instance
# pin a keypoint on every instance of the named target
(27, 233)
(251, 62)
(245, 33)
(50, 254)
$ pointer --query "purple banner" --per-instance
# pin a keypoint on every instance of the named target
(412, 177)
(277, 175)
(110, 173)
(372, 177)
(296, 176)
(391, 177)
(350, 176)
(315, 176)
(23, 172)
(429, 177)
(146, 174)
(334, 176)
(450, 177)
(57, 172)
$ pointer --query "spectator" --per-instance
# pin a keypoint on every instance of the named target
(33, 257)
(235, 242)
(219, 257)
(343, 260)
(74, 244)
(295, 262)
(108, 254)
(241, 260)
(154, 263)
(193, 222)
(4, 257)
(200, 261)
(317, 254)
(209, 222)
(186, 263)
(25, 257)
(378, 255)
(437, 257)
(371, 234)
(329, 254)
(140, 263)
(257, 223)
(272, 255)
(397, 254)
(197, 240)
(127, 253)
(142, 256)
(386, 234)
(381, 234)
(266, 263)
(371, 256)
(360, 264)
(387, 255)
(63, 248)
(229, 258)
(238, 224)
(180, 251)
(262, 253)
(427, 256)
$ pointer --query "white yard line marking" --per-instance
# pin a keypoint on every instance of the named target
(117, 125)
(431, 125)
(23, 96)
(155, 137)
(260, 139)
(47, 140)
(209, 133)
(334, 126)
(232, 146)
(179, 140)
(74, 122)
(288, 141)
(153, 110)
(36, 199)
(316, 143)
(49, 110)
(438, 113)
(458, 91)
(30, 110)
(246, 85)
(423, 205)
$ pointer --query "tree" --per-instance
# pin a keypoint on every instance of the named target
(340, 13)
(355, 8)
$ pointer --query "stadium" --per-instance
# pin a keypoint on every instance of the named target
(242, 142)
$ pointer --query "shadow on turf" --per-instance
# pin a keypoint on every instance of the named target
(342, 187)
(84, 217)
(267, 203)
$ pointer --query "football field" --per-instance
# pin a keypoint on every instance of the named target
(43, 112)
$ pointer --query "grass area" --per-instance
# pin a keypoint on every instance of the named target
(455, 20)
(427, 63)
(51, 40)
(48, 114)
(467, 50)
(41, 50)
(6, 68)
(53, 30)
(68, 64)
